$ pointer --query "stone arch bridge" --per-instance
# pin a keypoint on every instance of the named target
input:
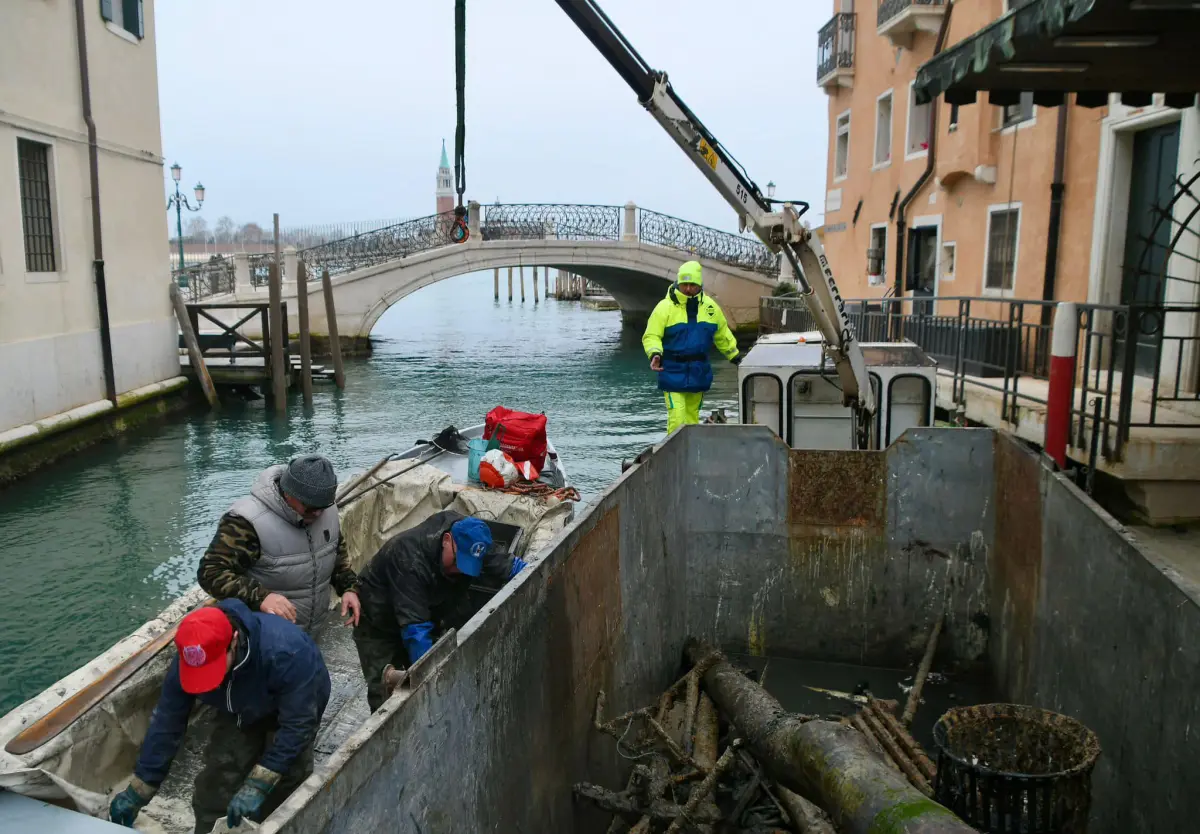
(632, 253)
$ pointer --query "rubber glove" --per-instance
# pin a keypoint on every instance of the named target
(417, 638)
(125, 806)
(249, 799)
(517, 565)
(737, 360)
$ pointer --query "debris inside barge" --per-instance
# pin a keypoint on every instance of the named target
(718, 754)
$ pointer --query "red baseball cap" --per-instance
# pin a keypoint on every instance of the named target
(203, 639)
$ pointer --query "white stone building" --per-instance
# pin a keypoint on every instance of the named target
(52, 351)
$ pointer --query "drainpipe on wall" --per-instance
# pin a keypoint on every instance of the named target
(1057, 189)
(110, 382)
(930, 161)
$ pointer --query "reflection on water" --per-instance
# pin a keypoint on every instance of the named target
(95, 545)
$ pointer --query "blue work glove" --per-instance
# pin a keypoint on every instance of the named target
(249, 799)
(125, 806)
(417, 639)
(518, 564)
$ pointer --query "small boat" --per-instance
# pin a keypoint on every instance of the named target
(74, 744)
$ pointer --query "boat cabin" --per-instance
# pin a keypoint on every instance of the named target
(811, 415)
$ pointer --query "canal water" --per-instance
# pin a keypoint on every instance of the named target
(93, 546)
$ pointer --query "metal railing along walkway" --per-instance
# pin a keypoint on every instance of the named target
(1137, 365)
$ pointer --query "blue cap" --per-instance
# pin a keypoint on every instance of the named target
(472, 541)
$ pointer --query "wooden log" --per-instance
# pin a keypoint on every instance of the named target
(706, 745)
(828, 763)
(914, 695)
(910, 745)
(306, 384)
(335, 344)
(858, 723)
(279, 329)
(689, 714)
(898, 756)
(705, 750)
(805, 817)
(701, 792)
(193, 348)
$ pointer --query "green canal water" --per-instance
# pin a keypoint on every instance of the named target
(95, 545)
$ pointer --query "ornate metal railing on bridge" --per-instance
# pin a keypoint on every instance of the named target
(260, 269)
(550, 221)
(213, 277)
(706, 242)
(531, 221)
(379, 246)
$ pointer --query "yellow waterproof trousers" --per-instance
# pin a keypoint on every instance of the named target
(682, 409)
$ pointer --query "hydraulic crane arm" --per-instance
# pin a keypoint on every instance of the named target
(780, 230)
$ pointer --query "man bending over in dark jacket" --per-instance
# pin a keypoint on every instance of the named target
(414, 584)
(269, 685)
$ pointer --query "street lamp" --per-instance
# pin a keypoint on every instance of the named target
(770, 189)
(180, 202)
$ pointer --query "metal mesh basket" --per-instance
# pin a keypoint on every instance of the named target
(1014, 769)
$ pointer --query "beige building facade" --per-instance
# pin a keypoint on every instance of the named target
(977, 216)
(52, 356)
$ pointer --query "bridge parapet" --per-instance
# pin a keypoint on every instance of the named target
(541, 221)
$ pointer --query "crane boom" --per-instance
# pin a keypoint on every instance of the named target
(780, 230)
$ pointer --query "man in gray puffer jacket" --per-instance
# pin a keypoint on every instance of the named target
(280, 549)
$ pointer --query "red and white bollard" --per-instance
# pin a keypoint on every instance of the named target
(1062, 381)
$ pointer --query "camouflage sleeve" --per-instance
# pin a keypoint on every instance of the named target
(344, 578)
(232, 552)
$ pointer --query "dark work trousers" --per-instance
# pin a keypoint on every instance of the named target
(376, 649)
(229, 755)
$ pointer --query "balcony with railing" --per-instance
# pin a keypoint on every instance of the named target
(900, 20)
(835, 53)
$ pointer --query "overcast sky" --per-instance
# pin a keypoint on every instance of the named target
(329, 112)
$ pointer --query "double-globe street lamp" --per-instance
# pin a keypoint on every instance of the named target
(180, 202)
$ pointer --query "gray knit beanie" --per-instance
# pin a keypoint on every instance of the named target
(310, 480)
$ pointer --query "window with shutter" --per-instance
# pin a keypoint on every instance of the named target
(131, 14)
(106, 9)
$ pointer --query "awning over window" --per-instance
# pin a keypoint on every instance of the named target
(1088, 47)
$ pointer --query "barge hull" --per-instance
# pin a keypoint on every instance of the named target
(725, 534)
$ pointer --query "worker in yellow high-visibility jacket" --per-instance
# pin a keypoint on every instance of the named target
(681, 330)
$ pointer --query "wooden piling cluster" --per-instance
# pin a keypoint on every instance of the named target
(537, 295)
(718, 753)
(275, 369)
(569, 287)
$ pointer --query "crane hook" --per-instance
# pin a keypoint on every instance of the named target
(459, 232)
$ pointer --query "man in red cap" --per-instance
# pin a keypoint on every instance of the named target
(269, 686)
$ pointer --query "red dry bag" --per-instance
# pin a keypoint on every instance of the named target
(523, 435)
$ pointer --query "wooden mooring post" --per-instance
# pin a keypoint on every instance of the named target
(521, 272)
(535, 286)
(510, 285)
(193, 347)
(496, 283)
(306, 383)
(546, 281)
(335, 345)
(278, 329)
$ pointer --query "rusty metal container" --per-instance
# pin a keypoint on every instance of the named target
(1015, 769)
